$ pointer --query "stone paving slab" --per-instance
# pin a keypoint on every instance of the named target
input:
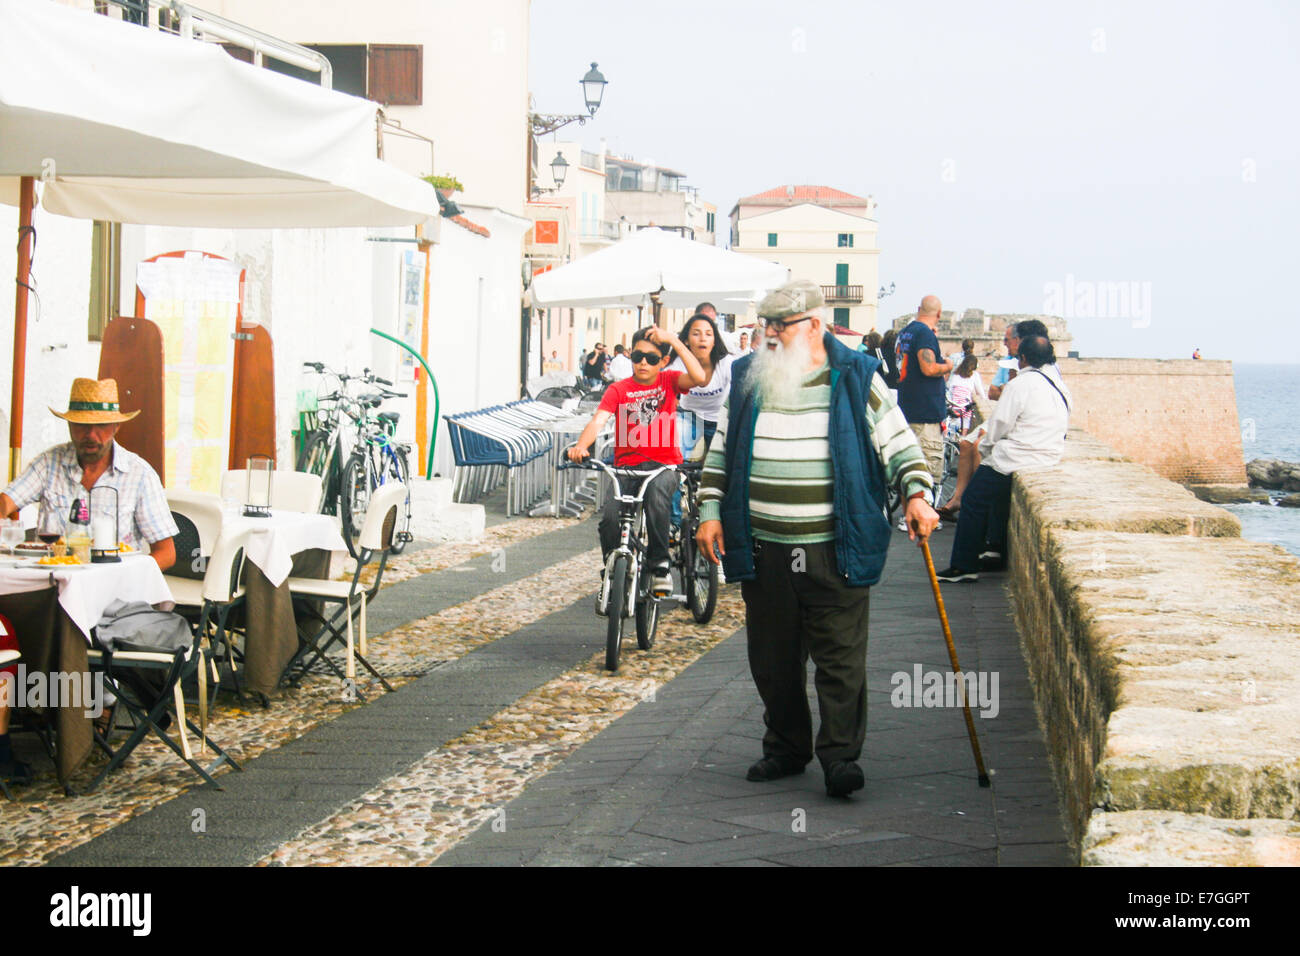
(664, 785)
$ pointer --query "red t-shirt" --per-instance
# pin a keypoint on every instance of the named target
(645, 420)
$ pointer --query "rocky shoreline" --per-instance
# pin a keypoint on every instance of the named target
(1271, 481)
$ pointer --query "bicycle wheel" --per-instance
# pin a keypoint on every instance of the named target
(353, 500)
(949, 482)
(701, 586)
(617, 605)
(315, 454)
(647, 620)
(399, 470)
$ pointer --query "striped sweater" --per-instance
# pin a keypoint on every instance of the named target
(790, 482)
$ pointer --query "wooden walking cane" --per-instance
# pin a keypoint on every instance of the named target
(952, 655)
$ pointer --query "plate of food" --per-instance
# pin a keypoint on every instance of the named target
(31, 549)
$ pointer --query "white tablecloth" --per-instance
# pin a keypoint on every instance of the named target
(85, 590)
(273, 541)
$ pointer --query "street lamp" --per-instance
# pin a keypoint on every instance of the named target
(884, 292)
(593, 91)
(559, 169)
(593, 88)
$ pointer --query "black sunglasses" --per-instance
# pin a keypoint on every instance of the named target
(654, 358)
(780, 325)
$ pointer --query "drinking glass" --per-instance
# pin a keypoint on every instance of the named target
(11, 534)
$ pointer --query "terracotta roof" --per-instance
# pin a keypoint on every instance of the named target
(471, 226)
(811, 194)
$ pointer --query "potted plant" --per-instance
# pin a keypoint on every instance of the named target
(447, 185)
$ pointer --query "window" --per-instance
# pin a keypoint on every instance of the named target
(388, 73)
(396, 75)
(846, 240)
(771, 239)
(105, 276)
(842, 318)
(709, 217)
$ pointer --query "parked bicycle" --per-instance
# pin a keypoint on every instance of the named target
(354, 449)
(953, 427)
(625, 590)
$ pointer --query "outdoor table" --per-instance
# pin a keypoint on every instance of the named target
(285, 543)
(53, 609)
(563, 490)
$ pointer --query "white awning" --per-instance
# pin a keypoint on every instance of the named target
(132, 125)
(651, 261)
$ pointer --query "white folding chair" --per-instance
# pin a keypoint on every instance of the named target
(206, 580)
(376, 539)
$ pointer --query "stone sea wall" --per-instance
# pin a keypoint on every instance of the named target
(1165, 656)
(1178, 416)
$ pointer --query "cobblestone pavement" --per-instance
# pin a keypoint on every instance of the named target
(505, 742)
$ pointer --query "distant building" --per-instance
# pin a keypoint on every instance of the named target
(822, 234)
(602, 199)
(987, 329)
(643, 194)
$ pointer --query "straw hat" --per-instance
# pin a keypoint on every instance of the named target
(94, 403)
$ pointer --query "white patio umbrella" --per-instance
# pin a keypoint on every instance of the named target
(653, 265)
(126, 124)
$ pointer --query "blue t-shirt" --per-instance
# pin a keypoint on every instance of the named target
(919, 396)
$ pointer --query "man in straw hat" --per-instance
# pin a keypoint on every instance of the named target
(61, 477)
(792, 498)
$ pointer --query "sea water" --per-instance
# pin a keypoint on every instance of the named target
(1270, 428)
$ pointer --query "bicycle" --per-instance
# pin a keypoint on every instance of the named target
(376, 460)
(352, 472)
(699, 575)
(952, 432)
(625, 591)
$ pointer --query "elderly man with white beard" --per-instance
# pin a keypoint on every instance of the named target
(792, 498)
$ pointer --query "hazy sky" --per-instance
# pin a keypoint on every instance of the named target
(1023, 153)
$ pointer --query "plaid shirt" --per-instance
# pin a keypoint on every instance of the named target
(54, 478)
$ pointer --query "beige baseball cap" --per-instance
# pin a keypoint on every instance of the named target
(793, 298)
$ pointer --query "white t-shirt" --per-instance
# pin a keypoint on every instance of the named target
(620, 367)
(706, 400)
(961, 391)
(1027, 429)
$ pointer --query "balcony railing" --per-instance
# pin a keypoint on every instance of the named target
(842, 293)
(590, 160)
(602, 229)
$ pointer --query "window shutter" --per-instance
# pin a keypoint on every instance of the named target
(396, 74)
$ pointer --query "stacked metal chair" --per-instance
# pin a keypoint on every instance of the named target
(495, 444)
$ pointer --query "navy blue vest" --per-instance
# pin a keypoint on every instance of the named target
(861, 531)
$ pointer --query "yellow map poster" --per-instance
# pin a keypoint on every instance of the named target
(194, 299)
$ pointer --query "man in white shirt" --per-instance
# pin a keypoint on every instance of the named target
(1026, 431)
(620, 367)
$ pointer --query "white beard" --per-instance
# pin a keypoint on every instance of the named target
(778, 372)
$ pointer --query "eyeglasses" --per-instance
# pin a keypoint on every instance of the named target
(780, 325)
(652, 358)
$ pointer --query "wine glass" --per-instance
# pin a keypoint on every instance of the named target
(50, 526)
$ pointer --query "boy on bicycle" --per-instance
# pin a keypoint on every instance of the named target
(645, 438)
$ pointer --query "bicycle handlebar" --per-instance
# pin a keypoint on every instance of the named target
(595, 464)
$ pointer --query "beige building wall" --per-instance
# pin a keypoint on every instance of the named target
(475, 79)
(807, 242)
